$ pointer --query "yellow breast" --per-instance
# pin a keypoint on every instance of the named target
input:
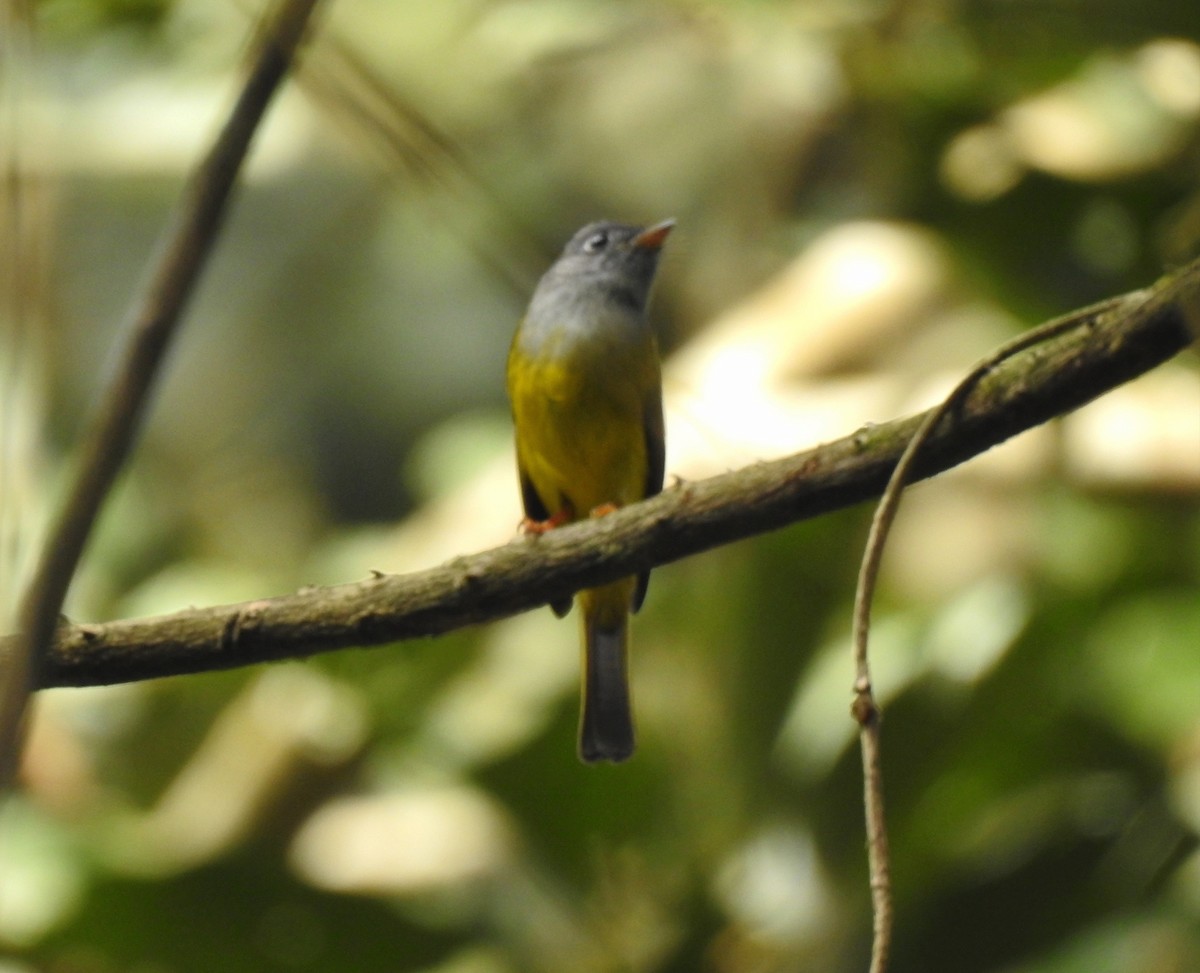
(580, 417)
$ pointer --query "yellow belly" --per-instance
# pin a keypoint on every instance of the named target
(580, 429)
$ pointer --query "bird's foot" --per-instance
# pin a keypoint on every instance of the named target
(539, 527)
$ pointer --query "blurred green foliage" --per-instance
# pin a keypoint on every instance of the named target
(420, 807)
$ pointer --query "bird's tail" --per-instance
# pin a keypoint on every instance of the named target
(606, 724)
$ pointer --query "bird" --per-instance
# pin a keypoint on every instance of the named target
(585, 385)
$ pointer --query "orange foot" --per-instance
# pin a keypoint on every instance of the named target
(538, 527)
(604, 510)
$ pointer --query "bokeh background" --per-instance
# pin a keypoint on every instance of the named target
(870, 196)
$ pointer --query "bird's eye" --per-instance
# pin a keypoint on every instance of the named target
(596, 242)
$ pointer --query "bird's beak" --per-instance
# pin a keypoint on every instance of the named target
(653, 237)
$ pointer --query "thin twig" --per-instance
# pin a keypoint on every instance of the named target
(1143, 329)
(865, 709)
(151, 324)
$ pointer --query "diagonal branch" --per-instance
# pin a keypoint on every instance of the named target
(152, 322)
(1114, 342)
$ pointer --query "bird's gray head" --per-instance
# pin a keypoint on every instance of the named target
(607, 261)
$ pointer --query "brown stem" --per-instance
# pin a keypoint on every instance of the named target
(152, 323)
(865, 709)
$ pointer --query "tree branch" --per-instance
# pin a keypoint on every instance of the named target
(864, 708)
(1115, 341)
(152, 323)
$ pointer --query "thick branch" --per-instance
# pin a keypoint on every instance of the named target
(1114, 342)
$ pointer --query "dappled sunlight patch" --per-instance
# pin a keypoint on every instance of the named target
(288, 717)
(507, 695)
(773, 887)
(42, 880)
(402, 842)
